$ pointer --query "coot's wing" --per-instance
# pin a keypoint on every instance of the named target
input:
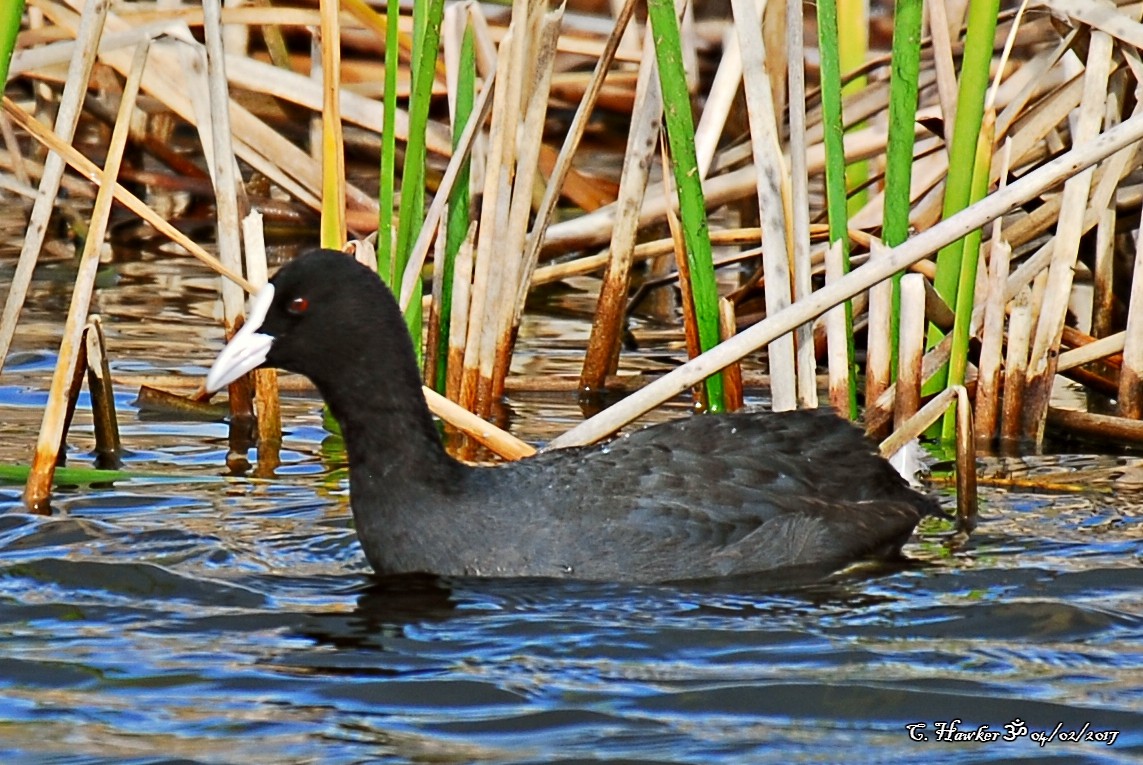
(810, 453)
(712, 496)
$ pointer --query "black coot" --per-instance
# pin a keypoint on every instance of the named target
(704, 496)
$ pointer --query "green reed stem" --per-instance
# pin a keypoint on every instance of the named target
(83, 476)
(903, 79)
(853, 48)
(835, 165)
(974, 81)
(692, 207)
(427, 34)
(386, 192)
(10, 15)
(966, 286)
(332, 226)
(458, 203)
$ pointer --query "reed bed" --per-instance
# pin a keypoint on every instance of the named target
(946, 211)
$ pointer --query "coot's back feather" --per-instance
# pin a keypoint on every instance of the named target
(705, 496)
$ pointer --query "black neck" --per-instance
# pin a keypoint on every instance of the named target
(378, 402)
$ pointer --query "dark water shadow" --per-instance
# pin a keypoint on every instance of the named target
(387, 605)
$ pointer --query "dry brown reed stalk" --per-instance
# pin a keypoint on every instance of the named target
(19, 166)
(719, 100)
(105, 424)
(37, 490)
(88, 169)
(255, 142)
(1038, 89)
(215, 134)
(267, 408)
(767, 152)
(836, 338)
(495, 267)
(917, 423)
(563, 164)
(74, 388)
(682, 267)
(1027, 187)
(436, 209)
(879, 348)
(799, 212)
(987, 405)
(333, 230)
(732, 375)
(911, 348)
(1053, 313)
(994, 278)
(966, 498)
(78, 74)
(499, 441)
(534, 102)
(610, 312)
(518, 114)
(1102, 427)
(494, 185)
(1131, 375)
(1086, 349)
(940, 31)
(1016, 366)
(1103, 267)
(458, 329)
(775, 19)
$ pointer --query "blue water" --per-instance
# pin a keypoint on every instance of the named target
(198, 618)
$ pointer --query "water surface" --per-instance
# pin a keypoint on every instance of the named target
(202, 618)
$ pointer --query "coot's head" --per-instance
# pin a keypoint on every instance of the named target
(313, 317)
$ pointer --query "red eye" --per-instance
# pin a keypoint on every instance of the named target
(298, 306)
